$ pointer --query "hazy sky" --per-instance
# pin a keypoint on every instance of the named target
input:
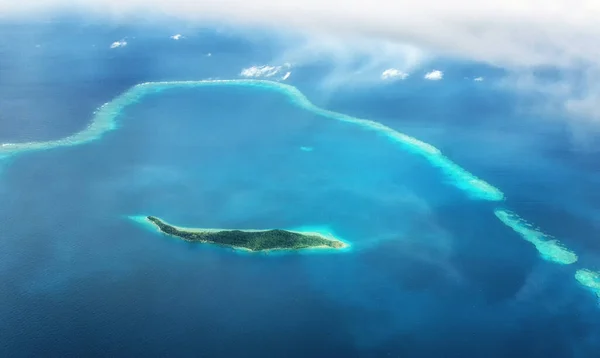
(518, 35)
(505, 32)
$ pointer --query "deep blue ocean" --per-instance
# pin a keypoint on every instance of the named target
(431, 273)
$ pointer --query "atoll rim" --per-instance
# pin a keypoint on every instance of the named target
(105, 120)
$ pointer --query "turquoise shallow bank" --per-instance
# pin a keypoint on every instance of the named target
(467, 239)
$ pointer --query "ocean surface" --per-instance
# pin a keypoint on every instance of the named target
(432, 271)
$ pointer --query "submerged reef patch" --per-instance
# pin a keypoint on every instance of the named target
(590, 279)
(549, 248)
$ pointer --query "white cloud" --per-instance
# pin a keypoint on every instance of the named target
(576, 94)
(263, 71)
(434, 75)
(260, 71)
(478, 79)
(520, 36)
(118, 44)
(286, 76)
(176, 37)
(357, 61)
(510, 32)
(393, 73)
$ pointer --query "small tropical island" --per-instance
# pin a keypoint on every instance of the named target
(250, 240)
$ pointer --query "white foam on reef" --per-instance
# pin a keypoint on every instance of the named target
(590, 279)
(549, 248)
(105, 120)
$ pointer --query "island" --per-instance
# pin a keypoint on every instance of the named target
(250, 240)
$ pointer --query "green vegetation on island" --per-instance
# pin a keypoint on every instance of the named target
(253, 240)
